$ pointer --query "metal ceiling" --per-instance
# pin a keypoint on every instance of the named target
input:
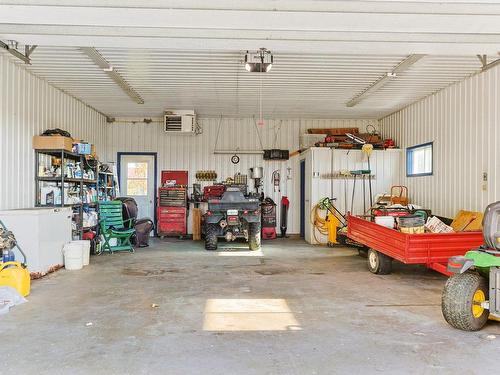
(187, 54)
(215, 83)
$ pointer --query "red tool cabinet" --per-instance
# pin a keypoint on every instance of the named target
(172, 204)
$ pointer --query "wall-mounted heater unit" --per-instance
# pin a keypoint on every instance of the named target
(180, 122)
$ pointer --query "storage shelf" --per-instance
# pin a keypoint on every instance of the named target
(58, 205)
(57, 153)
(66, 179)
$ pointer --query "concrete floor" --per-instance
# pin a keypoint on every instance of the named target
(298, 310)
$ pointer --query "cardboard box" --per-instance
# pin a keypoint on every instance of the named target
(55, 142)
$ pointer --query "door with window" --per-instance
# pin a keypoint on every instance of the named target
(137, 180)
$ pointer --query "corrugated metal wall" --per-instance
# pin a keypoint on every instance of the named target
(194, 153)
(28, 106)
(463, 121)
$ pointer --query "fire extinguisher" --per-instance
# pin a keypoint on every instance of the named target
(276, 180)
(285, 203)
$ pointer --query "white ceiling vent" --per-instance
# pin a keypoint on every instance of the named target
(180, 122)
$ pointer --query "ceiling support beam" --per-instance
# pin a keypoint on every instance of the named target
(484, 62)
(401, 67)
(101, 62)
(12, 49)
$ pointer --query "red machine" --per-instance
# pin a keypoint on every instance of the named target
(213, 191)
(172, 204)
(430, 249)
(268, 219)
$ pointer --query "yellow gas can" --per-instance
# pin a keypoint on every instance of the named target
(15, 275)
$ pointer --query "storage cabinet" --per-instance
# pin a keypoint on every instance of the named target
(172, 221)
(172, 204)
(323, 178)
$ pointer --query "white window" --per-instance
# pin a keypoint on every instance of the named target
(137, 179)
(419, 160)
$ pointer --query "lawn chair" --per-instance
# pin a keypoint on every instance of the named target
(112, 225)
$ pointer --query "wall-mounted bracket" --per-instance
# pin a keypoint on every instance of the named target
(12, 49)
(484, 62)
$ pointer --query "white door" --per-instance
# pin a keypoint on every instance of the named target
(137, 175)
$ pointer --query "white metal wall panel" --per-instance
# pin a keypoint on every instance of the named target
(194, 153)
(463, 121)
(28, 106)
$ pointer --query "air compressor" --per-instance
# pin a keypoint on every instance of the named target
(12, 273)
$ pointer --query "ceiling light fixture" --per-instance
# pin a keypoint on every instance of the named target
(259, 62)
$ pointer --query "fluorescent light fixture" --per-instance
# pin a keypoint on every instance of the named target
(382, 81)
(259, 62)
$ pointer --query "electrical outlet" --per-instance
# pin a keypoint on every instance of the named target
(485, 181)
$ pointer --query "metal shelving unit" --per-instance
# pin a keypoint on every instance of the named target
(60, 181)
(106, 186)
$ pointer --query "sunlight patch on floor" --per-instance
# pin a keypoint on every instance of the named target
(249, 315)
(240, 253)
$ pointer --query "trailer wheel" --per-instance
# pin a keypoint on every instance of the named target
(461, 301)
(254, 236)
(211, 232)
(379, 263)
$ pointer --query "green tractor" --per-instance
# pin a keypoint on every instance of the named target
(472, 294)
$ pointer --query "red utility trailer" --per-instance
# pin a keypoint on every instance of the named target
(431, 249)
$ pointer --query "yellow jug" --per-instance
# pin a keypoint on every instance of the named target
(15, 275)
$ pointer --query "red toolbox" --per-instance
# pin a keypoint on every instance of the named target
(172, 221)
(172, 204)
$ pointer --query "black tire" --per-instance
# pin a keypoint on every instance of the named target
(457, 301)
(378, 263)
(254, 236)
(211, 232)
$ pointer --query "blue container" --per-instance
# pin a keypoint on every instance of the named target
(8, 256)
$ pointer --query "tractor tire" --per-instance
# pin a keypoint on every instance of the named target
(254, 236)
(211, 231)
(378, 263)
(462, 294)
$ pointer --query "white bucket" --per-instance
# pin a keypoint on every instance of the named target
(85, 250)
(385, 221)
(73, 256)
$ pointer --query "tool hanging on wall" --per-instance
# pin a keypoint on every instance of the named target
(276, 178)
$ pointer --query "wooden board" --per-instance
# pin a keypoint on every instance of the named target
(333, 131)
(196, 224)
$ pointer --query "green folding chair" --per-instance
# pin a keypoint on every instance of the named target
(112, 225)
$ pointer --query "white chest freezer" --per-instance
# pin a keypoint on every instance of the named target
(41, 233)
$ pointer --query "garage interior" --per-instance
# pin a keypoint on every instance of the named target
(251, 187)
